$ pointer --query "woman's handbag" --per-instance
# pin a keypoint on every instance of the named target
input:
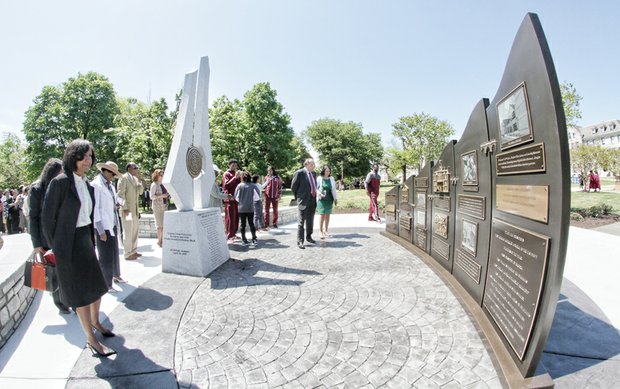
(39, 274)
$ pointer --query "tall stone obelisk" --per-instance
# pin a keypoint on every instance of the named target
(194, 237)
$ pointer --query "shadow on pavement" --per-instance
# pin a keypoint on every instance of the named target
(143, 299)
(129, 368)
(237, 273)
(579, 339)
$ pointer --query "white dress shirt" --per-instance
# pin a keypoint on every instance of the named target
(86, 203)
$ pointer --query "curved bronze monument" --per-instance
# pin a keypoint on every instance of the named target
(493, 211)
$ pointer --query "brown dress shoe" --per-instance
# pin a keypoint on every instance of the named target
(131, 257)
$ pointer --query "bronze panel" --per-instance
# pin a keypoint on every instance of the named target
(529, 201)
(517, 266)
(441, 180)
(441, 248)
(440, 225)
(405, 223)
(468, 265)
(420, 235)
(469, 168)
(421, 182)
(471, 205)
(442, 202)
(529, 159)
(513, 114)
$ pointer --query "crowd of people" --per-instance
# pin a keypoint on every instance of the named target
(80, 221)
(243, 204)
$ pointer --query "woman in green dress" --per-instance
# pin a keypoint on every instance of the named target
(327, 198)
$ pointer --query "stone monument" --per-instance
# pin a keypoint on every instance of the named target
(194, 238)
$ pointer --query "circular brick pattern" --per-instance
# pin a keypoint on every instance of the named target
(354, 311)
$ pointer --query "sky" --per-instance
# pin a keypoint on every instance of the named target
(370, 62)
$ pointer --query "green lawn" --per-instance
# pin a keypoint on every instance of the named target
(588, 199)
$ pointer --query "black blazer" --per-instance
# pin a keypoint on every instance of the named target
(61, 208)
(35, 198)
(301, 187)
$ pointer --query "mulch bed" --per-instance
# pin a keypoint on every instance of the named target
(593, 222)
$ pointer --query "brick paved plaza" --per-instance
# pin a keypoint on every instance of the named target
(355, 311)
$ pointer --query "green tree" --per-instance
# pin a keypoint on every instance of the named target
(256, 131)
(143, 134)
(226, 129)
(344, 146)
(584, 158)
(267, 130)
(12, 162)
(571, 102)
(82, 107)
(422, 138)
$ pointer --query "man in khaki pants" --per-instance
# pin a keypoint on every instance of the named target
(129, 190)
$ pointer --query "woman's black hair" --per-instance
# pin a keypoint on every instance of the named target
(323, 170)
(52, 167)
(255, 178)
(247, 176)
(75, 152)
(273, 170)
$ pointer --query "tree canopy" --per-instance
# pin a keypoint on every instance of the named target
(12, 162)
(571, 102)
(143, 133)
(82, 107)
(344, 146)
(256, 131)
(422, 138)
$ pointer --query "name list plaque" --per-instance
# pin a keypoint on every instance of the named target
(526, 160)
(530, 201)
(517, 264)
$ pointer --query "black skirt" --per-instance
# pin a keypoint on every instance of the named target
(80, 279)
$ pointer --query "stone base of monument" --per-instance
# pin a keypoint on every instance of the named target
(194, 242)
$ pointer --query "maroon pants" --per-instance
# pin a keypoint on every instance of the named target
(231, 218)
(268, 202)
(373, 213)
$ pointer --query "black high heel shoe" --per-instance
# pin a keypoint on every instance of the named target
(106, 333)
(98, 353)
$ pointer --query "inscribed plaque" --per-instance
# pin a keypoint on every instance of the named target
(530, 201)
(529, 159)
(517, 264)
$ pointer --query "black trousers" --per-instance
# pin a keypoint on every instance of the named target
(108, 256)
(305, 215)
(247, 217)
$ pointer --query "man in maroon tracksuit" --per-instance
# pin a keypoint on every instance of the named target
(373, 182)
(231, 179)
(273, 191)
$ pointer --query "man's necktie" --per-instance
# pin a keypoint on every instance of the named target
(312, 186)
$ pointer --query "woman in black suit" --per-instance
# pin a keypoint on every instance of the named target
(67, 222)
(52, 168)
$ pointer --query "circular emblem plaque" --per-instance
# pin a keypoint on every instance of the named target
(193, 161)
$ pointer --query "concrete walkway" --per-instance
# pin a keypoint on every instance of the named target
(277, 314)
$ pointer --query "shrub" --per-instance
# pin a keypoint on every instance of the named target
(576, 216)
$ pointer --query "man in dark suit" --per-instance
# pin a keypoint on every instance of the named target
(304, 191)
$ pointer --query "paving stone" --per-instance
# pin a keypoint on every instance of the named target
(334, 316)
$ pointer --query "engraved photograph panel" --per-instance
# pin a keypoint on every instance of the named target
(469, 170)
(514, 118)
(420, 201)
(440, 225)
(469, 236)
(420, 218)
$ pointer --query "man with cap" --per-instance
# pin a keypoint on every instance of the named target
(107, 222)
(129, 190)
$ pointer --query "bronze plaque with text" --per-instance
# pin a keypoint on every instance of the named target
(471, 205)
(530, 201)
(524, 160)
(517, 264)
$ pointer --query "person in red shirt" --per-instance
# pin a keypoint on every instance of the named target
(230, 180)
(373, 183)
(272, 187)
